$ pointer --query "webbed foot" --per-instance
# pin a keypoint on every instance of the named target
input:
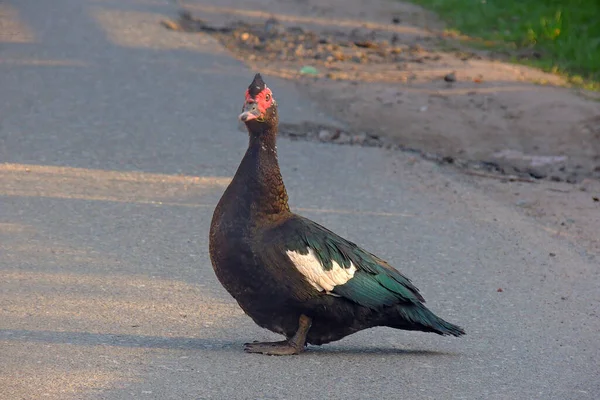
(294, 345)
(283, 348)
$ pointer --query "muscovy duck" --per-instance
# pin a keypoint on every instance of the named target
(290, 274)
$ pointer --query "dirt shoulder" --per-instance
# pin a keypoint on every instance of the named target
(388, 70)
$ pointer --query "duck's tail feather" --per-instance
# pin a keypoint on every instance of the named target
(417, 317)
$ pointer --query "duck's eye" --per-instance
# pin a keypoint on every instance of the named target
(268, 97)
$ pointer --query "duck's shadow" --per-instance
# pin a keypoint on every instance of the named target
(329, 350)
(188, 343)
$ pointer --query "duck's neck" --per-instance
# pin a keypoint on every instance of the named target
(260, 176)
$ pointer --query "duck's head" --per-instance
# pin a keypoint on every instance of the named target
(260, 108)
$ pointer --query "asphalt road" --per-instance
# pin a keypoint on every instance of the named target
(117, 139)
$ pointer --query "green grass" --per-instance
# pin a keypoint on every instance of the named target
(565, 34)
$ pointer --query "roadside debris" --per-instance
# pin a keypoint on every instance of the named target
(309, 70)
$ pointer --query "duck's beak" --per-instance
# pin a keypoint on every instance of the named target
(250, 112)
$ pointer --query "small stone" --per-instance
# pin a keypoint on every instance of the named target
(552, 254)
(359, 139)
(171, 25)
(415, 48)
(367, 44)
(586, 184)
(339, 56)
(274, 27)
(396, 20)
(344, 138)
(451, 77)
(325, 135)
(536, 174)
(295, 30)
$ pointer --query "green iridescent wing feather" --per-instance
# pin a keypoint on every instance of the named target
(375, 283)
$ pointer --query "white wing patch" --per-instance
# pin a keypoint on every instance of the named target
(310, 267)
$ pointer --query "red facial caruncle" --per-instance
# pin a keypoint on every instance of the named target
(264, 99)
(256, 107)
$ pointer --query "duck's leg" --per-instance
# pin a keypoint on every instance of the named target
(294, 345)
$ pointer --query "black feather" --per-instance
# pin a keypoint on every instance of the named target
(257, 86)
